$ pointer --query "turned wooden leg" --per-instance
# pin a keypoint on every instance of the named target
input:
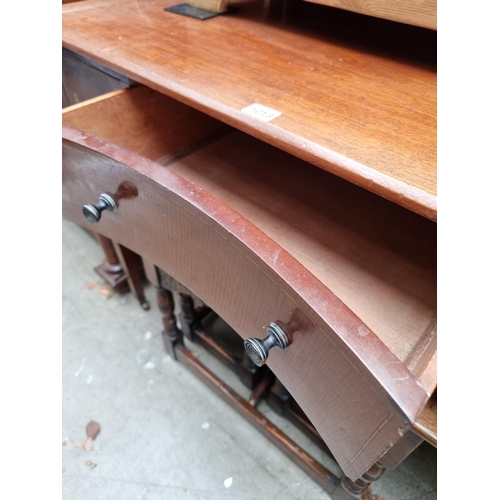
(354, 489)
(262, 389)
(188, 316)
(131, 264)
(172, 336)
(248, 372)
(111, 271)
(279, 398)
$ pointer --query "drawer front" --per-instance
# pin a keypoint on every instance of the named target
(360, 406)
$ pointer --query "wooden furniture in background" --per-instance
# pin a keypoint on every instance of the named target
(82, 80)
(111, 270)
(421, 13)
(210, 5)
(199, 323)
(340, 488)
(237, 211)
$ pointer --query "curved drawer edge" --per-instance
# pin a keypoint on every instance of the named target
(358, 344)
(399, 192)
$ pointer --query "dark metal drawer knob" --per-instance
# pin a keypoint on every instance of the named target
(93, 212)
(258, 349)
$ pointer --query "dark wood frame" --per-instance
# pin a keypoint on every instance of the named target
(388, 386)
(187, 227)
(340, 488)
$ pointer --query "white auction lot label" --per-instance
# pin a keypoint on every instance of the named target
(261, 112)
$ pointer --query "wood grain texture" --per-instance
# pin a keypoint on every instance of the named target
(378, 258)
(428, 375)
(422, 13)
(422, 360)
(357, 96)
(397, 453)
(358, 395)
(143, 121)
(210, 5)
(426, 425)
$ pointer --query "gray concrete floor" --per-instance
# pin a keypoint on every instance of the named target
(164, 434)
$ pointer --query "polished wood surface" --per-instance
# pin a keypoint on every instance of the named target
(422, 13)
(338, 487)
(358, 395)
(256, 233)
(357, 96)
(378, 258)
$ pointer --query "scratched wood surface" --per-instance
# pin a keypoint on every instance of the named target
(357, 94)
(356, 392)
(422, 13)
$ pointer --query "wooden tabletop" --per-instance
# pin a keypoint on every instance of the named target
(357, 95)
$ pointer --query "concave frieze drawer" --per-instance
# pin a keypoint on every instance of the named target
(263, 237)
